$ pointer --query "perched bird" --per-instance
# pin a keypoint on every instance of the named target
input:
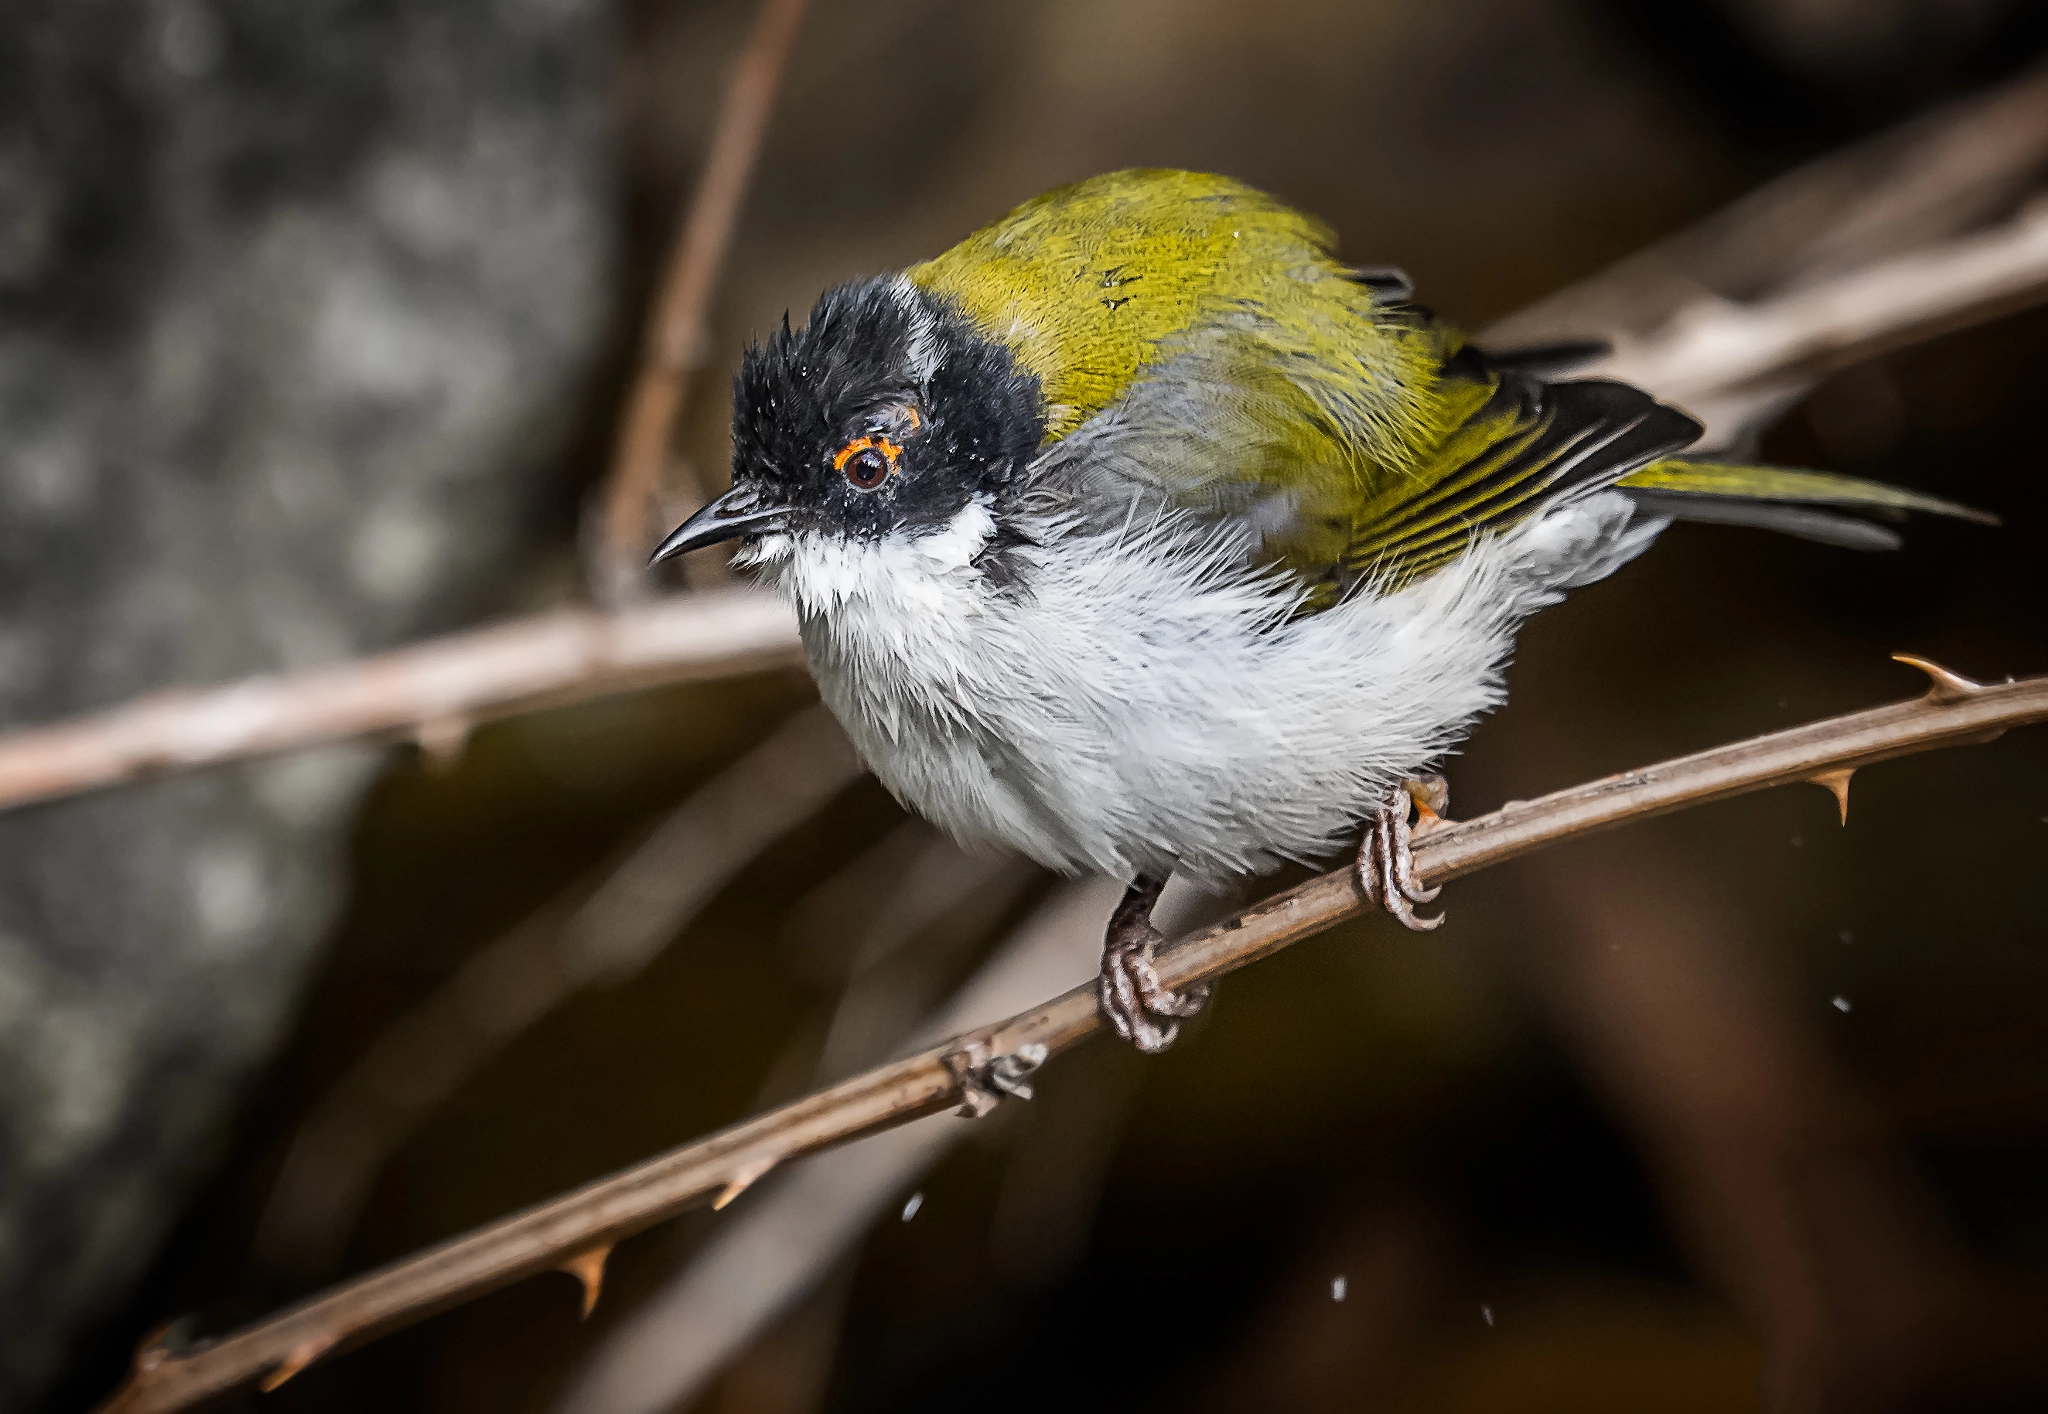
(1138, 533)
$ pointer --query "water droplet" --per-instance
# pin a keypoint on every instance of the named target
(1783, 703)
(910, 1208)
(1797, 841)
(1486, 1313)
(1848, 938)
(1842, 1004)
(1337, 1288)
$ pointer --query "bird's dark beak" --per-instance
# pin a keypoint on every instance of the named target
(740, 511)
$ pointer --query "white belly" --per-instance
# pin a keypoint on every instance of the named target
(1141, 704)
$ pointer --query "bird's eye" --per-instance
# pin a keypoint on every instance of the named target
(867, 461)
(867, 469)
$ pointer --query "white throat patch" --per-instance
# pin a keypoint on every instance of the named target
(903, 573)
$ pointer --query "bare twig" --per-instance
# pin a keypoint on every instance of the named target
(593, 1218)
(675, 335)
(568, 656)
(600, 936)
(1924, 182)
(1728, 363)
(790, 1237)
(432, 691)
(892, 983)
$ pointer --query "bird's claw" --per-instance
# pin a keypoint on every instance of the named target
(1386, 861)
(1131, 994)
(984, 1078)
(1128, 989)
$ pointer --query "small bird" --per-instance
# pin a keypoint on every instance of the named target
(1139, 534)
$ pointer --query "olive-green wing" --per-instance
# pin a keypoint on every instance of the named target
(1247, 421)
(1515, 445)
(1198, 347)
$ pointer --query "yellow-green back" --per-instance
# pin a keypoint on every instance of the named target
(1131, 289)
(1197, 338)
(1091, 283)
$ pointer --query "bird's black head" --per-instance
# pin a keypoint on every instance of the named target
(886, 413)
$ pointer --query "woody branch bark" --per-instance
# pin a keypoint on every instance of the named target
(1730, 364)
(675, 335)
(1722, 360)
(575, 1231)
(1886, 212)
(1959, 168)
(599, 935)
(432, 692)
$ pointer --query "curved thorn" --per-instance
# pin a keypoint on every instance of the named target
(1946, 685)
(442, 740)
(303, 1354)
(588, 1268)
(1836, 783)
(743, 1178)
(155, 1348)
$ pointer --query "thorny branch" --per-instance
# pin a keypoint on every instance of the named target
(574, 1231)
(599, 935)
(677, 1339)
(675, 335)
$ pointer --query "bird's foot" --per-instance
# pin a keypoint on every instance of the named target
(1386, 864)
(1128, 989)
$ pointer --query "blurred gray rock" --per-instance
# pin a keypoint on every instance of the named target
(295, 302)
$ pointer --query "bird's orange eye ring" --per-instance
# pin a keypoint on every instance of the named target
(866, 462)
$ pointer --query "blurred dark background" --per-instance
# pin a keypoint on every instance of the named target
(1731, 1100)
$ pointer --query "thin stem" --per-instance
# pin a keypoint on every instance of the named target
(675, 335)
(433, 692)
(1723, 361)
(602, 934)
(599, 1214)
